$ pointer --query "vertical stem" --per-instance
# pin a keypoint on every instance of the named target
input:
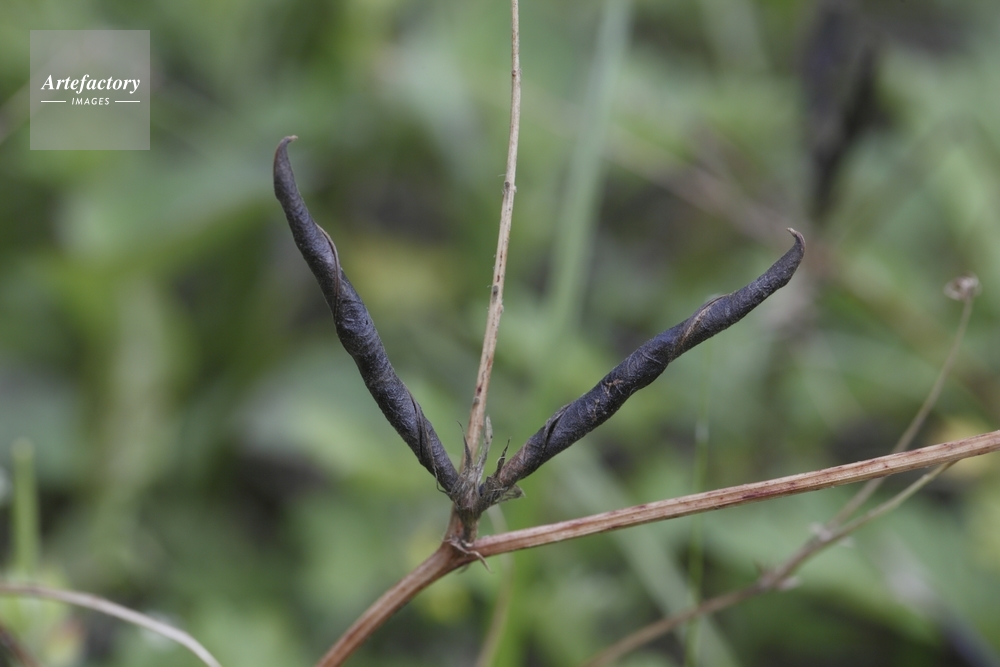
(438, 564)
(696, 562)
(501, 608)
(478, 413)
(25, 508)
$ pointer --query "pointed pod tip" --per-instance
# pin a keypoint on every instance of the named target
(281, 154)
(799, 249)
(284, 179)
(285, 188)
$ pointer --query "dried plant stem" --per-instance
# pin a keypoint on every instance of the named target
(860, 471)
(771, 580)
(478, 413)
(112, 609)
(660, 628)
(906, 439)
(452, 555)
(779, 576)
(441, 562)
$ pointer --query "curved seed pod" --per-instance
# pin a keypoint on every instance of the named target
(586, 413)
(355, 328)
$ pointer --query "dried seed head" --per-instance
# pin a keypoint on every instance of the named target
(963, 288)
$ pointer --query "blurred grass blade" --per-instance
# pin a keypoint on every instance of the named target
(25, 508)
(505, 593)
(578, 214)
(696, 556)
(112, 609)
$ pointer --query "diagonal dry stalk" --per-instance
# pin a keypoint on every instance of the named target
(452, 555)
(733, 496)
(778, 578)
(964, 289)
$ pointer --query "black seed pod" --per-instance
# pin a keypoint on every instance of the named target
(566, 426)
(586, 413)
(355, 328)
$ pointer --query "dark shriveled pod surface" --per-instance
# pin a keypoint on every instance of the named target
(356, 331)
(586, 413)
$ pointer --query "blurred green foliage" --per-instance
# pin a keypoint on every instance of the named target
(207, 453)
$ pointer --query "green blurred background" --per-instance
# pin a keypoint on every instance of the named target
(207, 453)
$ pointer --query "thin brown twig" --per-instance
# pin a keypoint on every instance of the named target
(452, 554)
(441, 562)
(477, 414)
(906, 439)
(779, 576)
(775, 579)
(883, 466)
(112, 609)
(654, 630)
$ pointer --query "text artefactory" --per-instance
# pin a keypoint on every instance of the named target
(88, 83)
